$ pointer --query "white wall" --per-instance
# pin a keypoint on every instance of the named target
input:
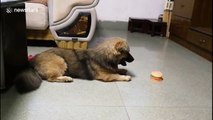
(121, 10)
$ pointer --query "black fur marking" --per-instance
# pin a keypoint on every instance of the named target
(104, 61)
(82, 68)
(87, 67)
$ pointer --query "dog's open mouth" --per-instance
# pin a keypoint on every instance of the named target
(129, 59)
(123, 62)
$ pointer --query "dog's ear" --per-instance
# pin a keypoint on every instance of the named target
(119, 46)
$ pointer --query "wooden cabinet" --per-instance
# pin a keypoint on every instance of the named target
(200, 39)
(191, 26)
(179, 26)
(183, 8)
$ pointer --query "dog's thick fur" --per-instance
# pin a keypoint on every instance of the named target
(60, 65)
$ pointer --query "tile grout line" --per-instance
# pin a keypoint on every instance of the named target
(123, 101)
(175, 107)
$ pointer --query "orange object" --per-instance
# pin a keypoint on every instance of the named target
(157, 75)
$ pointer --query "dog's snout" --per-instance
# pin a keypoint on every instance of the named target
(130, 58)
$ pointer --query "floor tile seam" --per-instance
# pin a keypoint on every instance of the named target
(123, 102)
(97, 106)
(172, 107)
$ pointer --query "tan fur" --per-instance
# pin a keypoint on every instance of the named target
(51, 66)
(54, 64)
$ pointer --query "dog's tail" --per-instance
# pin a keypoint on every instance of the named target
(27, 80)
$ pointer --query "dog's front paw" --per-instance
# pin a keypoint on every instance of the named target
(126, 78)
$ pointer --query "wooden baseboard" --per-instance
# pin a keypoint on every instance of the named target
(45, 38)
(72, 44)
(39, 35)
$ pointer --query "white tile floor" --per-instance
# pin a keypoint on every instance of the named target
(184, 94)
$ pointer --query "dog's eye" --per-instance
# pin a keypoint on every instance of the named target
(123, 51)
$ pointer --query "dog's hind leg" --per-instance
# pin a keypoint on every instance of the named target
(60, 79)
(51, 67)
(54, 75)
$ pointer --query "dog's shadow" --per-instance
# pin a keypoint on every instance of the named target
(130, 73)
(126, 72)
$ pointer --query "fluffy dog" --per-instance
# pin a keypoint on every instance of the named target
(60, 65)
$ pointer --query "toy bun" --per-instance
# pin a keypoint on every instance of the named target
(157, 75)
